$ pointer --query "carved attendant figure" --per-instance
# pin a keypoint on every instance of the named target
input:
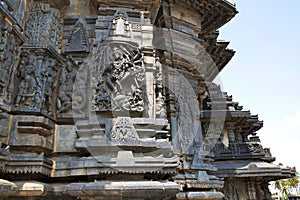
(120, 88)
(30, 87)
(66, 78)
(50, 84)
(11, 62)
(5, 57)
(160, 99)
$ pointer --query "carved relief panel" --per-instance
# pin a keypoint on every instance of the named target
(36, 82)
(44, 26)
(120, 85)
(66, 80)
(9, 58)
(186, 123)
(72, 89)
(160, 109)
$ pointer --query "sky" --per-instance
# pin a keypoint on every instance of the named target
(264, 74)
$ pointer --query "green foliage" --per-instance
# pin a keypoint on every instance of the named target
(287, 186)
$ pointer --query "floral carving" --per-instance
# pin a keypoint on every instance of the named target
(123, 130)
(44, 26)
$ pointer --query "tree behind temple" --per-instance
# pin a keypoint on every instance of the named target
(287, 186)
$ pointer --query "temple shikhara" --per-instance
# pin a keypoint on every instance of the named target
(115, 99)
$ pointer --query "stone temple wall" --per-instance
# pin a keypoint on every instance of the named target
(106, 99)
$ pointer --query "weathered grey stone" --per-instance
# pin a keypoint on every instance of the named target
(66, 136)
(7, 188)
(121, 93)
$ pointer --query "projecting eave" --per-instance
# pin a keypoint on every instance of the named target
(214, 13)
(133, 4)
(221, 57)
(247, 169)
(223, 43)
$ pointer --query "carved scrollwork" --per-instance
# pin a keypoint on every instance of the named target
(44, 26)
(124, 131)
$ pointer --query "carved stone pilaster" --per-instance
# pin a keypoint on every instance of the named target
(231, 134)
(238, 135)
(251, 190)
(160, 108)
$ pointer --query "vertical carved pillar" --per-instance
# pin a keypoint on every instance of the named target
(160, 109)
(36, 78)
(238, 135)
(7, 49)
(245, 137)
(265, 191)
(232, 138)
(149, 76)
(231, 134)
(251, 190)
(40, 61)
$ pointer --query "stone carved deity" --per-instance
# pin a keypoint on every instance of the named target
(50, 84)
(102, 98)
(29, 91)
(120, 86)
(9, 60)
(10, 66)
(160, 99)
(67, 76)
(5, 55)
